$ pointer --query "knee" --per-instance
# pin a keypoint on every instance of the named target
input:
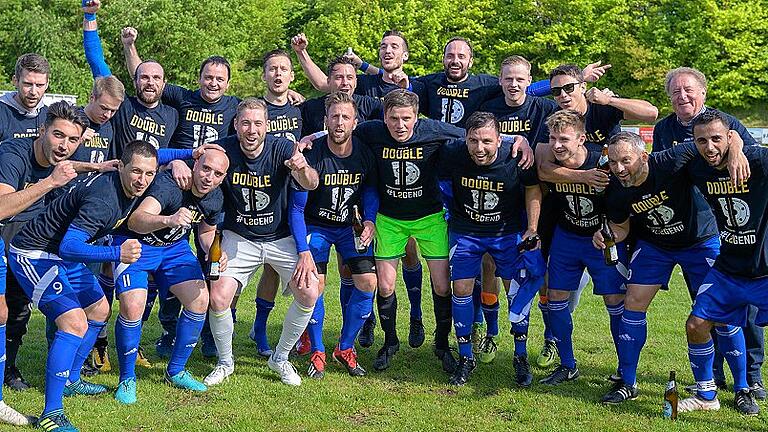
(366, 284)
(558, 295)
(697, 329)
(307, 296)
(100, 311)
(218, 301)
(75, 324)
(199, 304)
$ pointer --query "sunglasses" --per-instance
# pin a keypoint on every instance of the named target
(568, 88)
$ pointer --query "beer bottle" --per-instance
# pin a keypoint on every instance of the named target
(602, 164)
(670, 398)
(610, 252)
(214, 255)
(528, 243)
(357, 230)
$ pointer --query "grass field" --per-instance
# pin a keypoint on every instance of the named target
(412, 395)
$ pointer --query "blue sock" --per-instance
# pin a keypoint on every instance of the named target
(188, 330)
(731, 344)
(2, 358)
(263, 308)
(234, 314)
(520, 332)
(544, 308)
(60, 359)
(315, 326)
(562, 331)
(491, 313)
(477, 304)
(359, 308)
(634, 328)
(701, 357)
(127, 338)
(412, 278)
(346, 287)
(462, 323)
(614, 313)
(94, 328)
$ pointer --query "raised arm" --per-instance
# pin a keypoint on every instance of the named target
(549, 171)
(633, 109)
(132, 60)
(314, 74)
(94, 53)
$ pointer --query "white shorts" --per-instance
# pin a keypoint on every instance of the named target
(246, 256)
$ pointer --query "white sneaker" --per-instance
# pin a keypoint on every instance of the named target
(219, 374)
(695, 403)
(285, 369)
(11, 416)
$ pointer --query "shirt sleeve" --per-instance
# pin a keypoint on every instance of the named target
(12, 169)
(173, 95)
(743, 132)
(528, 176)
(94, 214)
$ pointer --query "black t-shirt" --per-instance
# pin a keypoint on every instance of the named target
(284, 121)
(134, 121)
(341, 183)
(98, 148)
(171, 198)
(602, 122)
(580, 207)
(488, 201)
(669, 132)
(313, 112)
(200, 122)
(408, 178)
(14, 124)
(528, 119)
(664, 210)
(740, 212)
(255, 190)
(19, 169)
(454, 102)
(375, 86)
(96, 204)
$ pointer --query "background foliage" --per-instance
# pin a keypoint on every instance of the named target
(642, 39)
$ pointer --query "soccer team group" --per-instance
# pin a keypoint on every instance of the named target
(484, 177)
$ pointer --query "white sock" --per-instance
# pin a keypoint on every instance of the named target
(222, 328)
(296, 320)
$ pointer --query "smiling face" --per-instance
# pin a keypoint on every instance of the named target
(575, 100)
(627, 164)
(214, 81)
(457, 59)
(687, 96)
(483, 144)
(712, 142)
(514, 80)
(60, 140)
(392, 53)
(278, 74)
(149, 82)
(566, 142)
(209, 171)
(251, 127)
(137, 175)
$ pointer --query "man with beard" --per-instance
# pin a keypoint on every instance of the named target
(687, 92)
(23, 111)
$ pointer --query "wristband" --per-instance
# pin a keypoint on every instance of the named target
(364, 66)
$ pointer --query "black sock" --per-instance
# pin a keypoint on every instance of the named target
(387, 307)
(11, 351)
(443, 319)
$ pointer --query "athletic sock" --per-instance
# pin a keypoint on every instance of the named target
(491, 312)
(188, 329)
(127, 338)
(222, 328)
(57, 366)
(731, 343)
(296, 320)
(412, 277)
(263, 308)
(387, 307)
(443, 319)
(701, 357)
(462, 322)
(520, 332)
(359, 307)
(562, 331)
(315, 326)
(614, 313)
(346, 286)
(634, 332)
(94, 328)
(544, 308)
(477, 304)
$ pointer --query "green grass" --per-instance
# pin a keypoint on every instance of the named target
(412, 395)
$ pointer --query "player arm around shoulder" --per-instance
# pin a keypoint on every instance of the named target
(14, 202)
(302, 172)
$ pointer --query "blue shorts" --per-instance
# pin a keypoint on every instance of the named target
(55, 286)
(571, 253)
(652, 265)
(725, 299)
(169, 265)
(320, 239)
(466, 255)
(3, 267)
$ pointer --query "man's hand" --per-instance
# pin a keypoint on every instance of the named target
(592, 72)
(297, 162)
(129, 35)
(354, 58)
(369, 231)
(530, 233)
(738, 165)
(91, 6)
(521, 145)
(181, 173)
(196, 153)
(182, 218)
(299, 43)
(87, 135)
(596, 178)
(400, 78)
(62, 173)
(108, 166)
(295, 98)
(304, 143)
(598, 240)
(305, 274)
(597, 96)
(223, 261)
(130, 251)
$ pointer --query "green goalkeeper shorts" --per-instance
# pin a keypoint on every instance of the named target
(430, 233)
